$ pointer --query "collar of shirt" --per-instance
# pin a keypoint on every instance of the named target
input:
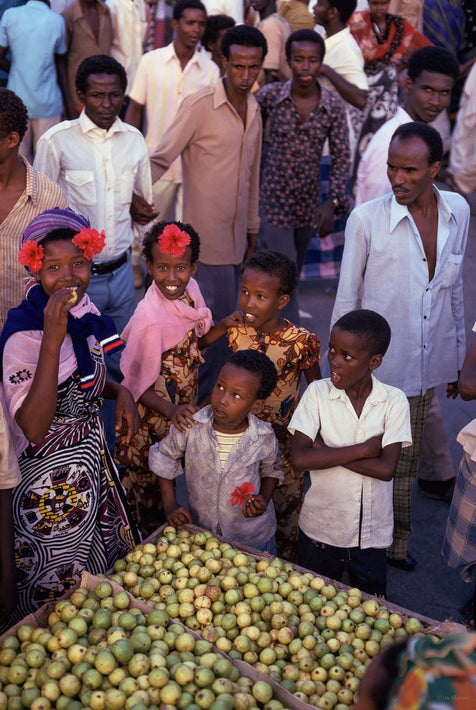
(77, 11)
(285, 93)
(170, 54)
(399, 212)
(31, 189)
(336, 39)
(220, 98)
(88, 126)
(377, 394)
(256, 427)
(39, 5)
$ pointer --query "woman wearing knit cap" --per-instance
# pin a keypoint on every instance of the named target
(69, 508)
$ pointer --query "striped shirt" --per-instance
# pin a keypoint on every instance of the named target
(225, 443)
(40, 194)
(161, 85)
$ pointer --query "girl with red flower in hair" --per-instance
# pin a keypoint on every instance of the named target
(69, 508)
(161, 358)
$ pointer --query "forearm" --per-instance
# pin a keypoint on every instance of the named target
(134, 114)
(349, 92)
(151, 400)
(467, 377)
(62, 76)
(380, 467)
(306, 458)
(7, 539)
(268, 485)
(42, 396)
(215, 333)
(167, 491)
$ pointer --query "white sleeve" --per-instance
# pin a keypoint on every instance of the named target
(306, 418)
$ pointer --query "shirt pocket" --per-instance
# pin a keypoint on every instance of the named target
(451, 270)
(128, 176)
(81, 187)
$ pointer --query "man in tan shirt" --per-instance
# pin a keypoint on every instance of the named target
(217, 131)
(24, 194)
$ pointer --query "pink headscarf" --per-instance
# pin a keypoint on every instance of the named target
(158, 324)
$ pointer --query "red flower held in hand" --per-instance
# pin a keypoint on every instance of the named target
(90, 241)
(173, 241)
(31, 255)
(242, 493)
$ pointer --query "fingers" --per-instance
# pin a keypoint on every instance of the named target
(180, 516)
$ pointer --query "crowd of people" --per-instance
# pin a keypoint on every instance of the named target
(207, 165)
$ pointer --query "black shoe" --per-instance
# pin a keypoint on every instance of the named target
(407, 564)
(437, 490)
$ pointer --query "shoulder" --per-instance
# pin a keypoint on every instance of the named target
(373, 211)
(457, 203)
(200, 98)
(269, 93)
(262, 428)
(59, 130)
(48, 191)
(332, 101)
(129, 130)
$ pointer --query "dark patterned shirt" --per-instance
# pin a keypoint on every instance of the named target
(290, 189)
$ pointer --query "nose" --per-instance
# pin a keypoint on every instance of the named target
(68, 272)
(106, 100)
(397, 177)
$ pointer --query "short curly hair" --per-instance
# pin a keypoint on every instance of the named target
(154, 233)
(368, 325)
(13, 114)
(99, 64)
(275, 264)
(259, 364)
(244, 36)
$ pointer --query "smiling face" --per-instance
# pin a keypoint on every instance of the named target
(242, 67)
(409, 170)
(102, 99)
(261, 300)
(64, 266)
(171, 274)
(233, 397)
(428, 95)
(190, 28)
(350, 360)
(305, 62)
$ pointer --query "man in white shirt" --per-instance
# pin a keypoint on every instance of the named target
(99, 162)
(232, 8)
(432, 72)
(343, 70)
(164, 78)
(130, 23)
(462, 167)
(403, 257)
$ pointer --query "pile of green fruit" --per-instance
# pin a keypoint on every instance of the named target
(97, 652)
(314, 640)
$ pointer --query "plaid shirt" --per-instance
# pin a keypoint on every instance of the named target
(290, 190)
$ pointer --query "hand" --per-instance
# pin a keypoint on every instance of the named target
(126, 411)
(252, 245)
(255, 506)
(178, 516)
(182, 417)
(141, 211)
(325, 219)
(373, 447)
(452, 389)
(318, 443)
(235, 318)
(70, 111)
(55, 315)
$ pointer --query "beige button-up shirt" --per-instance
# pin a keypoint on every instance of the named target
(220, 163)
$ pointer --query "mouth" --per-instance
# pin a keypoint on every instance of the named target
(398, 192)
(219, 413)
(171, 289)
(335, 377)
(249, 317)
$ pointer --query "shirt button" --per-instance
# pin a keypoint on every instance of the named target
(424, 259)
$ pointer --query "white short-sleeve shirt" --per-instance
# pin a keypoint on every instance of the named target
(344, 508)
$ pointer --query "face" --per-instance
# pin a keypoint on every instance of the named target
(233, 398)
(242, 67)
(215, 49)
(305, 62)
(64, 266)
(320, 12)
(350, 360)
(261, 300)
(378, 9)
(102, 99)
(190, 28)
(259, 5)
(171, 274)
(409, 171)
(428, 95)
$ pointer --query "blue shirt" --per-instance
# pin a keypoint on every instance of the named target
(34, 34)
(385, 261)
(253, 457)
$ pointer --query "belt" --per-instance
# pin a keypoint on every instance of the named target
(107, 267)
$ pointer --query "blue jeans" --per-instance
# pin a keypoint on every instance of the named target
(367, 568)
(269, 546)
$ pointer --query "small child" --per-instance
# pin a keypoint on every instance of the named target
(348, 431)
(269, 280)
(160, 362)
(231, 457)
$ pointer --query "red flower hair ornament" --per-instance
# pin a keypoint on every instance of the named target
(242, 494)
(90, 241)
(173, 241)
(31, 255)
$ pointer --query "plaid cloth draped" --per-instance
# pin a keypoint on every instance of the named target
(459, 544)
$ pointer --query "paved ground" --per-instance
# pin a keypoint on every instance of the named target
(432, 588)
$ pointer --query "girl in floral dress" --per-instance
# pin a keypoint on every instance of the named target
(161, 359)
(69, 508)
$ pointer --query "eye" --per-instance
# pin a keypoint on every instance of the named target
(219, 387)
(236, 396)
(331, 349)
(180, 268)
(78, 263)
(53, 267)
(347, 358)
(244, 292)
